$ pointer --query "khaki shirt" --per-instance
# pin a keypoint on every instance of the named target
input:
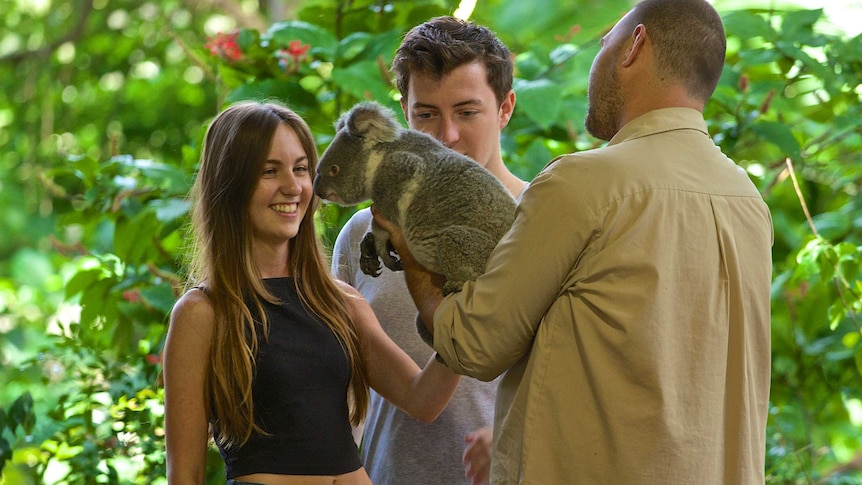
(629, 309)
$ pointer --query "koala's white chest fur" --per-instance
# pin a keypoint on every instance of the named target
(374, 159)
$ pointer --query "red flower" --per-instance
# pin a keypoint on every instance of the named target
(153, 359)
(132, 296)
(225, 46)
(290, 58)
(297, 50)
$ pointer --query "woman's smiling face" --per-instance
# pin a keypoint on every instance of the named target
(284, 190)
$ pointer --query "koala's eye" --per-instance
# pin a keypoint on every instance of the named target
(333, 170)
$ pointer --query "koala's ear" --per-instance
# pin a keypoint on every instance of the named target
(372, 121)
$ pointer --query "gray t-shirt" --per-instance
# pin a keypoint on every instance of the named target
(397, 449)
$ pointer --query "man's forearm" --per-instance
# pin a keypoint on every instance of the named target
(426, 289)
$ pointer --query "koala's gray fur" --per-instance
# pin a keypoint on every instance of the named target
(452, 211)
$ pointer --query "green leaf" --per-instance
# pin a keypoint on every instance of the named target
(563, 53)
(362, 80)
(21, 413)
(833, 225)
(82, 280)
(287, 91)
(780, 135)
(96, 304)
(836, 315)
(798, 26)
(758, 57)
(352, 45)
(822, 73)
(134, 237)
(160, 296)
(323, 44)
(247, 38)
(537, 154)
(539, 100)
(746, 25)
(528, 65)
(163, 175)
(168, 210)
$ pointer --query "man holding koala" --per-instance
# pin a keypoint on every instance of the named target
(629, 304)
(455, 79)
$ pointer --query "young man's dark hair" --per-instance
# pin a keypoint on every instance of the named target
(442, 44)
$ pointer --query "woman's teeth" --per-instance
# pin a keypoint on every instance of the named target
(286, 208)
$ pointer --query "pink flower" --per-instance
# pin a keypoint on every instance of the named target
(132, 296)
(225, 46)
(153, 359)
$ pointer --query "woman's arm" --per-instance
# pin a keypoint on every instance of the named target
(186, 356)
(421, 393)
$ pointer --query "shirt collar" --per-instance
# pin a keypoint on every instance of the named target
(659, 121)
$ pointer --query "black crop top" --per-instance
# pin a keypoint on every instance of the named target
(300, 397)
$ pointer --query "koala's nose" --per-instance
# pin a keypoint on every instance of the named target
(316, 185)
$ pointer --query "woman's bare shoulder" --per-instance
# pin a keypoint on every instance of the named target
(193, 311)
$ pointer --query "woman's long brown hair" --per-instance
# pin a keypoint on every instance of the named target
(235, 148)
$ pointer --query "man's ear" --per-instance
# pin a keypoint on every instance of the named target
(404, 110)
(507, 108)
(638, 40)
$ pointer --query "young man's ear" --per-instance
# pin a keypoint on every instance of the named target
(507, 108)
(404, 110)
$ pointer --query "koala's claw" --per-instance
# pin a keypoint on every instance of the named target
(370, 266)
(369, 262)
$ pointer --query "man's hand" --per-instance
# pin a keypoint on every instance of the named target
(425, 287)
(396, 238)
(477, 456)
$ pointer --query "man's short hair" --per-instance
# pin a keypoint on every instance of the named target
(689, 41)
(442, 44)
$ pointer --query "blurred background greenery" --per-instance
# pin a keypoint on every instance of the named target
(103, 106)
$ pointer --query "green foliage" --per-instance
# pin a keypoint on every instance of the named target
(788, 108)
(103, 139)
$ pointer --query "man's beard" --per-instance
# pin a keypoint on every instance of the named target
(604, 108)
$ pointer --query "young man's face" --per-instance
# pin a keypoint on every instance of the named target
(460, 110)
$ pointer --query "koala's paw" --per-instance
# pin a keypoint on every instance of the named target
(394, 261)
(369, 263)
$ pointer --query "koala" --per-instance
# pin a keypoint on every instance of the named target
(452, 211)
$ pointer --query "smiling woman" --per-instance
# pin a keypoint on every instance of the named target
(265, 345)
